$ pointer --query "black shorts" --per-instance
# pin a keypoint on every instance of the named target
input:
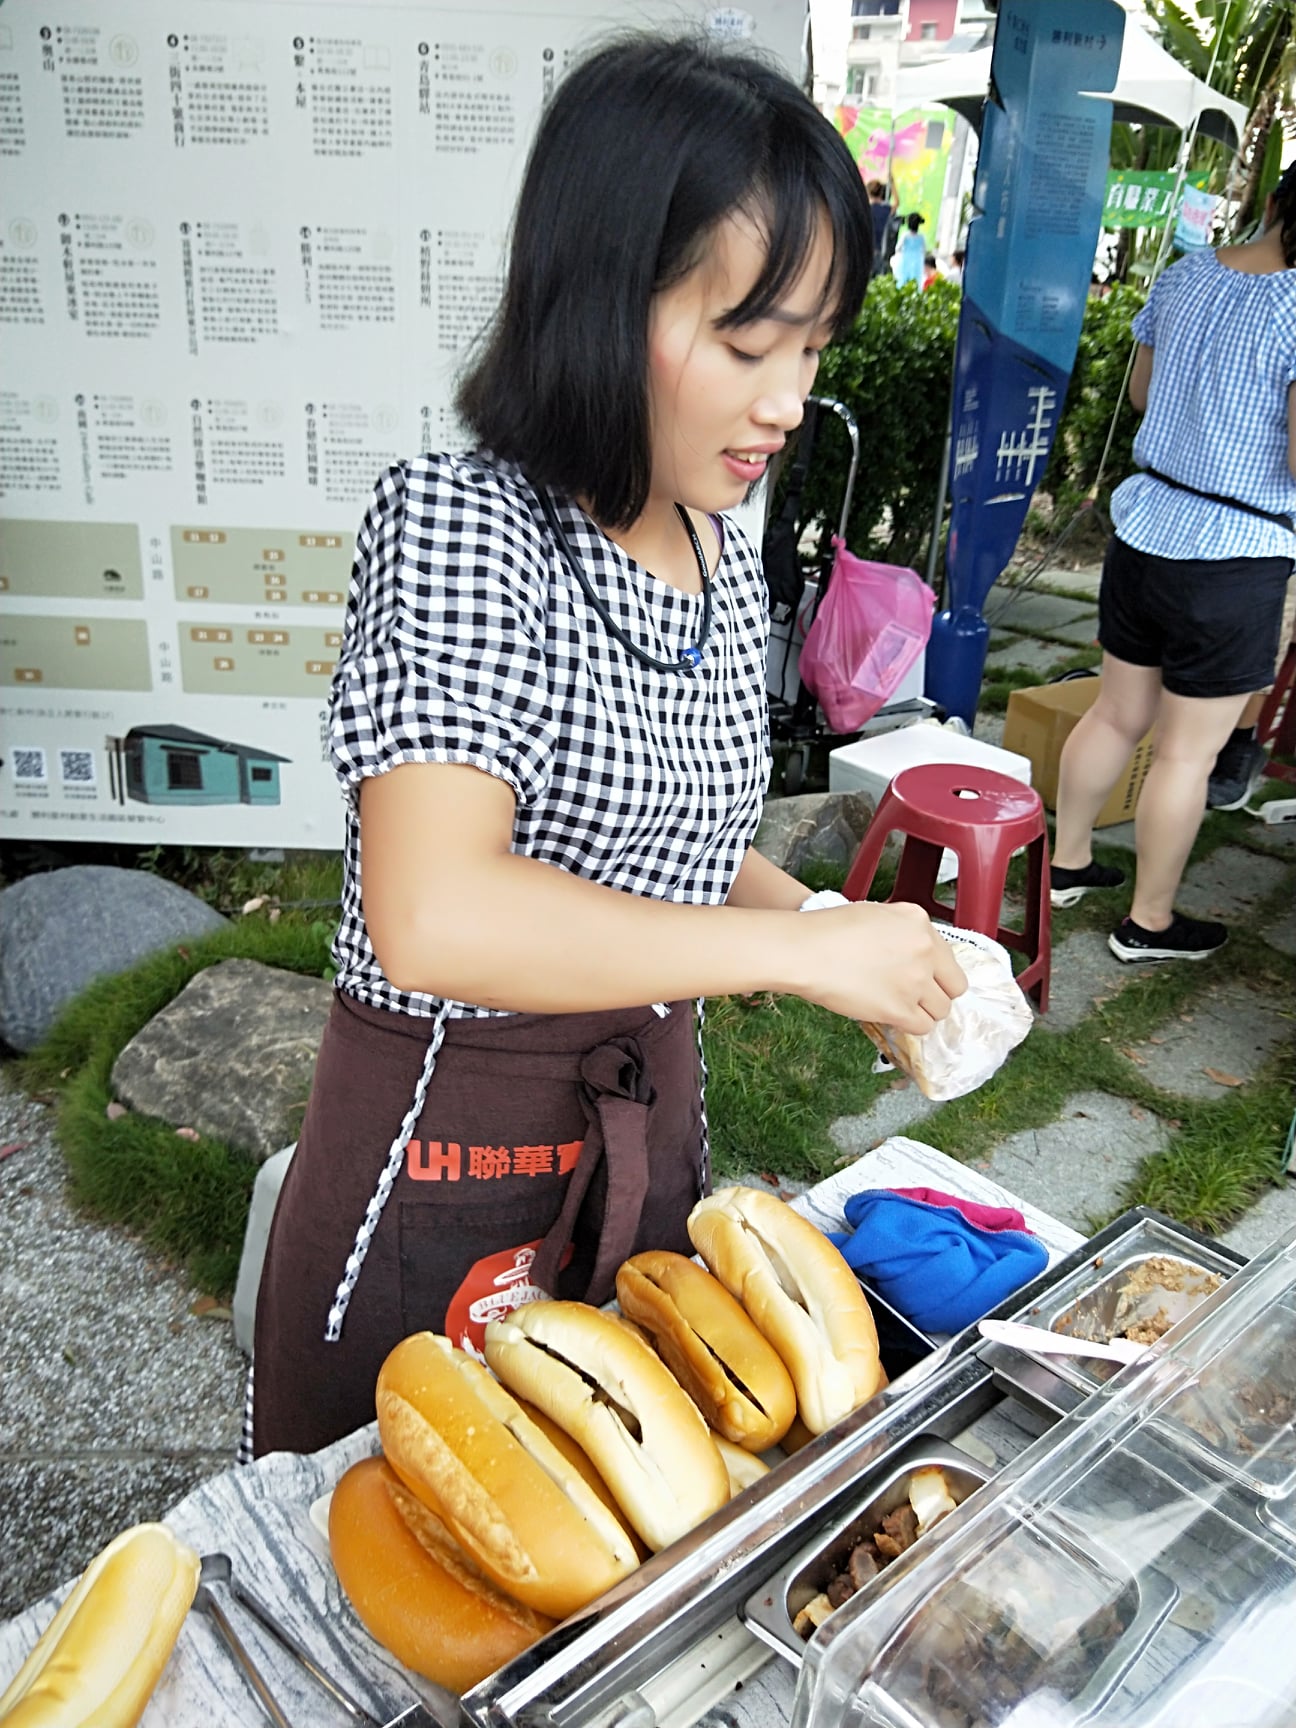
(1210, 624)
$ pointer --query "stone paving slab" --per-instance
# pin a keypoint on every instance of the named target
(1230, 1029)
(1228, 883)
(892, 1112)
(1082, 634)
(1281, 934)
(1079, 1167)
(1032, 613)
(1083, 969)
(1273, 1215)
(1035, 656)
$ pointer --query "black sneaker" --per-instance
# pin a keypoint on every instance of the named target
(1185, 939)
(1068, 887)
(1238, 770)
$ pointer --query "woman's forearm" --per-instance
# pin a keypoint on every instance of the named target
(516, 933)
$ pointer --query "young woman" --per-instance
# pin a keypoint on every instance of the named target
(549, 720)
(1194, 577)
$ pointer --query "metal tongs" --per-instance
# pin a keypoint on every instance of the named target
(218, 1569)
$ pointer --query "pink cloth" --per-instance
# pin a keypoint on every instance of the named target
(984, 1217)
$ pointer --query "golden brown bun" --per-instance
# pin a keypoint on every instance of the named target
(801, 1294)
(100, 1657)
(513, 1502)
(744, 1467)
(797, 1436)
(622, 1405)
(415, 1589)
(734, 1375)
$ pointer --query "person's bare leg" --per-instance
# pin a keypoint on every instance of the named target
(1251, 713)
(1190, 732)
(1095, 754)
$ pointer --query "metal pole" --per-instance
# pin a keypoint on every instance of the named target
(942, 483)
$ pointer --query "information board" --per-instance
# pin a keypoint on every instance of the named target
(244, 246)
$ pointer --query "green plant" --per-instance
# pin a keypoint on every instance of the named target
(1097, 387)
(893, 372)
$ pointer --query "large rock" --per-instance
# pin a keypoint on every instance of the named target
(814, 828)
(60, 930)
(232, 1056)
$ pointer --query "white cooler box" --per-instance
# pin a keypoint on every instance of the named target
(871, 764)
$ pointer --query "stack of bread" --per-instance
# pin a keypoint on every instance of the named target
(507, 1500)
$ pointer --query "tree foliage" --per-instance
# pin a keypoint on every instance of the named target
(893, 372)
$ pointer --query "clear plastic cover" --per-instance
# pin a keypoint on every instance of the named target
(1128, 1571)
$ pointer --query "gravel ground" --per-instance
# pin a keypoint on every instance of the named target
(117, 1398)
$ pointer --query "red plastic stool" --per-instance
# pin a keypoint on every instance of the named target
(984, 818)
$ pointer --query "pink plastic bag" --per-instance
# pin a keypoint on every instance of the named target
(872, 625)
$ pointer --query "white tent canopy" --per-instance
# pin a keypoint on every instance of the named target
(1153, 89)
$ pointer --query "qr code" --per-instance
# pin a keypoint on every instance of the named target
(29, 767)
(78, 767)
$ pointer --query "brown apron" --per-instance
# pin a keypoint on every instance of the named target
(549, 1147)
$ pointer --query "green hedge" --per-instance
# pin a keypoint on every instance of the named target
(893, 372)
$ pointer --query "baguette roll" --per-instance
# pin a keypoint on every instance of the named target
(413, 1587)
(512, 1501)
(101, 1655)
(730, 1371)
(622, 1405)
(801, 1294)
(744, 1467)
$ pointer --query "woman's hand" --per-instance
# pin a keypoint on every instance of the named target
(879, 961)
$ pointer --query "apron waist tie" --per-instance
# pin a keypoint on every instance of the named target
(617, 1093)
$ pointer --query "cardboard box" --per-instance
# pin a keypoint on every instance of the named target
(1039, 723)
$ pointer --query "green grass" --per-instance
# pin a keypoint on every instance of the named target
(780, 1071)
(188, 1199)
(1001, 681)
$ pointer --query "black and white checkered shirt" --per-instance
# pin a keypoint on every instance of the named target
(469, 640)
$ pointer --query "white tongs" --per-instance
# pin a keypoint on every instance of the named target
(1043, 1343)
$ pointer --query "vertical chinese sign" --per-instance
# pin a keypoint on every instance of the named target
(1038, 204)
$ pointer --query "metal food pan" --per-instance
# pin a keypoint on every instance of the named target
(1085, 1301)
(900, 1343)
(770, 1611)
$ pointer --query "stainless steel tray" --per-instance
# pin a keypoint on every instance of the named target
(1089, 1293)
(585, 1673)
(771, 1610)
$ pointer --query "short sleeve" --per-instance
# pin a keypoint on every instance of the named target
(443, 655)
(1144, 325)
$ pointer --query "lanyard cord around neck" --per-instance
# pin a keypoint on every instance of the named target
(689, 658)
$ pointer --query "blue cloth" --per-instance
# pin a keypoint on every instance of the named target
(1224, 353)
(940, 1271)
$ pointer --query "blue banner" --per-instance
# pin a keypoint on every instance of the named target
(1038, 204)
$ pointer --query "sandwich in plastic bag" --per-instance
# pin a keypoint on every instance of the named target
(988, 1020)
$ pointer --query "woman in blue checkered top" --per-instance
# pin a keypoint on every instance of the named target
(1194, 578)
(549, 721)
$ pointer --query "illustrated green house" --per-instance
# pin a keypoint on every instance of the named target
(175, 765)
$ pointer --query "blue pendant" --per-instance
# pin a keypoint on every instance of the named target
(691, 657)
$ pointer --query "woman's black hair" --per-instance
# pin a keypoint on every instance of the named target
(643, 149)
(1284, 194)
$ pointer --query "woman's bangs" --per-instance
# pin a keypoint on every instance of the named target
(789, 214)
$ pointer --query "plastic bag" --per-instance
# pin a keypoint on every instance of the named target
(989, 1019)
(872, 625)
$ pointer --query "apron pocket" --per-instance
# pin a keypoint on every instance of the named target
(454, 1276)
